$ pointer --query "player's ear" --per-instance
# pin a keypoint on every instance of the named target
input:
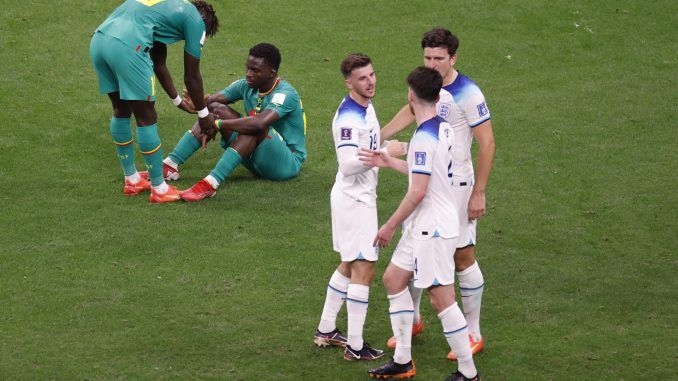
(453, 59)
(348, 84)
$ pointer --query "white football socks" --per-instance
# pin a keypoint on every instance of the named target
(213, 182)
(416, 299)
(170, 162)
(471, 289)
(401, 312)
(162, 188)
(456, 333)
(356, 307)
(336, 292)
(133, 178)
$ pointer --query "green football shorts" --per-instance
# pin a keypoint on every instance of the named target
(272, 159)
(122, 68)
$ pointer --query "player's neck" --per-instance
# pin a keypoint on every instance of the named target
(450, 77)
(266, 89)
(359, 99)
(423, 112)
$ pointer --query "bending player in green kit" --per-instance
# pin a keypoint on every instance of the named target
(270, 141)
(126, 50)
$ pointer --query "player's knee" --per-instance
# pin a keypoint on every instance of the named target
(223, 111)
(464, 258)
(244, 144)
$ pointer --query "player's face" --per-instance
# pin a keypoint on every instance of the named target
(363, 82)
(259, 73)
(439, 59)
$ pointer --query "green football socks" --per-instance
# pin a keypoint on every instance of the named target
(123, 139)
(151, 148)
(186, 147)
(229, 160)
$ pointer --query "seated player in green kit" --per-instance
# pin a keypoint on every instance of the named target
(270, 140)
(127, 49)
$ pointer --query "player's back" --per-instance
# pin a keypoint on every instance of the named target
(138, 23)
(356, 126)
(430, 153)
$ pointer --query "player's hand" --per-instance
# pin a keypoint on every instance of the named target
(207, 129)
(384, 235)
(187, 98)
(476, 205)
(187, 106)
(374, 158)
(396, 148)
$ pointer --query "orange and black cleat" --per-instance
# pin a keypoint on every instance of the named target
(393, 370)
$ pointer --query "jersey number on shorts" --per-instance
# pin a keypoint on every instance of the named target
(150, 3)
(415, 265)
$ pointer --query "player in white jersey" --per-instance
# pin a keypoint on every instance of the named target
(463, 105)
(354, 212)
(428, 214)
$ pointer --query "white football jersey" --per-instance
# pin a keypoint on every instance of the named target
(463, 106)
(430, 153)
(353, 127)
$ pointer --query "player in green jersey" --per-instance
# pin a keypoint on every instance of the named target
(128, 52)
(270, 140)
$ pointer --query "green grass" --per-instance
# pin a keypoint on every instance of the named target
(578, 248)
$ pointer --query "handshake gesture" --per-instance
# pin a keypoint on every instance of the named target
(208, 129)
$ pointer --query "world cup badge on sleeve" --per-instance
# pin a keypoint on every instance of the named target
(420, 158)
(345, 134)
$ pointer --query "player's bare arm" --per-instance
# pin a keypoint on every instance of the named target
(382, 159)
(485, 138)
(159, 58)
(193, 82)
(400, 121)
(251, 125)
(415, 194)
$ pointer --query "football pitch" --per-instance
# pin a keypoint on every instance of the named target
(578, 248)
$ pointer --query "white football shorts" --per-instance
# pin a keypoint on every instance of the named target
(428, 259)
(467, 229)
(354, 227)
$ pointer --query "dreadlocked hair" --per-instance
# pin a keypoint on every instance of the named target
(209, 16)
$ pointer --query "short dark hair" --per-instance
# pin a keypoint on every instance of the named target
(353, 61)
(440, 38)
(425, 83)
(268, 52)
(209, 16)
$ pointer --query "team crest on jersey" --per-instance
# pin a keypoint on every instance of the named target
(482, 109)
(444, 110)
(345, 134)
(420, 158)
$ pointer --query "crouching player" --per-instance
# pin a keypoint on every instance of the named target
(354, 213)
(430, 230)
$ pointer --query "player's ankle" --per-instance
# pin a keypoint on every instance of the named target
(212, 181)
(168, 160)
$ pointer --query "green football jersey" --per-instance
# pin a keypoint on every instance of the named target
(284, 100)
(138, 23)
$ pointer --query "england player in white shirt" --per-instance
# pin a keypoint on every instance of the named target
(354, 212)
(463, 105)
(428, 214)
